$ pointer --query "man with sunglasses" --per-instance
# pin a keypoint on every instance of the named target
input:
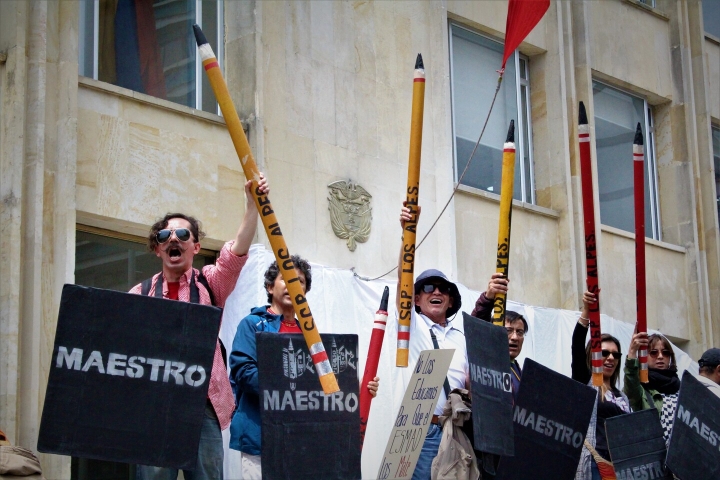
(515, 324)
(436, 301)
(175, 239)
(710, 370)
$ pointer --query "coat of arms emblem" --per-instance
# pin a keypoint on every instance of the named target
(350, 212)
(298, 361)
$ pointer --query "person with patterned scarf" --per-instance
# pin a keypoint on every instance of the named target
(661, 391)
(594, 460)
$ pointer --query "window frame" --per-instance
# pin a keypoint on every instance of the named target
(650, 158)
(220, 53)
(523, 83)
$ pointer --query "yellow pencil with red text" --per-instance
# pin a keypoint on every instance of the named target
(277, 242)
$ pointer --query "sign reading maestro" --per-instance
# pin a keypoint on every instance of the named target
(550, 418)
(306, 433)
(694, 450)
(491, 386)
(637, 446)
(415, 414)
(128, 373)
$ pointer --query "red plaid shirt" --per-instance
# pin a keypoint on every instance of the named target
(222, 278)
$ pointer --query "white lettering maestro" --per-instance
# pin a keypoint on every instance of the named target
(312, 400)
(134, 367)
(548, 427)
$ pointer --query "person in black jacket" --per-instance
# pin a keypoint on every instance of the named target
(515, 324)
(611, 401)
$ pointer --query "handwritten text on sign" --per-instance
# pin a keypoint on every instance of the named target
(415, 414)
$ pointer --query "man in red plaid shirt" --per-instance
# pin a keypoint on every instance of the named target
(175, 239)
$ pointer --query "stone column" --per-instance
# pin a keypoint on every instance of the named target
(39, 134)
(678, 152)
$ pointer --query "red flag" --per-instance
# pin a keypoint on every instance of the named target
(522, 17)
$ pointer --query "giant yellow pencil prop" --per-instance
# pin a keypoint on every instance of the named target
(405, 302)
(506, 198)
(277, 242)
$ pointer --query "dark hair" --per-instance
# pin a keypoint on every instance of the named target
(195, 228)
(708, 369)
(298, 262)
(511, 316)
(606, 337)
(656, 337)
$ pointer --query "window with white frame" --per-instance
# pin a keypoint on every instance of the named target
(711, 17)
(617, 114)
(716, 159)
(474, 61)
(149, 46)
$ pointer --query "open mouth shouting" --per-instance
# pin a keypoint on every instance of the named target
(174, 251)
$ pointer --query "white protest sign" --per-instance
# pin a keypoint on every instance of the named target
(415, 414)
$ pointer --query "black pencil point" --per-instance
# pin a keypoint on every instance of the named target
(583, 115)
(638, 135)
(419, 63)
(511, 132)
(384, 301)
(199, 35)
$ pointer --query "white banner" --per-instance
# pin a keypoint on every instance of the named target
(343, 303)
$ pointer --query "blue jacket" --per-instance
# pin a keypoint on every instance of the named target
(245, 425)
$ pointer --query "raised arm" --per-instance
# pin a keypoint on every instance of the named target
(580, 369)
(631, 381)
(484, 304)
(246, 232)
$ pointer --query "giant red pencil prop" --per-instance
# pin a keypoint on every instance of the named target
(590, 246)
(272, 228)
(502, 264)
(411, 201)
(373, 358)
(639, 170)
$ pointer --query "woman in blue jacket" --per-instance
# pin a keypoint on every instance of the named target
(278, 317)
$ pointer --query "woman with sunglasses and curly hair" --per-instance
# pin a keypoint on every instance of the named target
(611, 401)
(662, 389)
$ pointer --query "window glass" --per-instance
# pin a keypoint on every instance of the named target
(711, 17)
(149, 47)
(475, 60)
(616, 117)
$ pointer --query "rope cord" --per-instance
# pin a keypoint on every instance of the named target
(457, 185)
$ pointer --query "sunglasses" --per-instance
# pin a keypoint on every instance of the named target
(182, 234)
(430, 288)
(654, 353)
(608, 353)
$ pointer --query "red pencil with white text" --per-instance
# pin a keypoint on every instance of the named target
(373, 358)
(591, 257)
(639, 174)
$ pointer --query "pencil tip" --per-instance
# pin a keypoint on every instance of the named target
(582, 120)
(199, 35)
(511, 132)
(384, 300)
(638, 135)
(419, 63)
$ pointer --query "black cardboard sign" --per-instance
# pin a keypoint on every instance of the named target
(489, 363)
(550, 421)
(637, 446)
(129, 378)
(305, 433)
(694, 451)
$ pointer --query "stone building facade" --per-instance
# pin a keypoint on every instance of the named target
(324, 89)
